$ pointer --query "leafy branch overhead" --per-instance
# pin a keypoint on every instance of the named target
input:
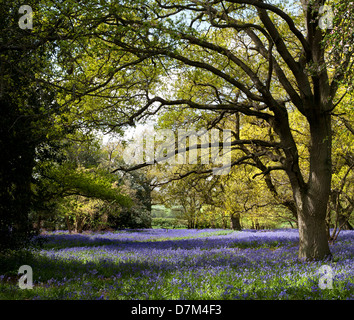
(93, 184)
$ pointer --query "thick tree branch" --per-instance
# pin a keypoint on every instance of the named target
(298, 72)
(240, 107)
(262, 5)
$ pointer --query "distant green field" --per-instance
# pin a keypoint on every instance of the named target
(160, 211)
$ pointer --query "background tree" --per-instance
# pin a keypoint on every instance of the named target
(38, 111)
(341, 204)
(83, 192)
(28, 109)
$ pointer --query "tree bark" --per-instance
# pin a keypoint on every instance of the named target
(312, 199)
(313, 240)
(235, 222)
(68, 223)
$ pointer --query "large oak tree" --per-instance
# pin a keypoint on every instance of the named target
(253, 57)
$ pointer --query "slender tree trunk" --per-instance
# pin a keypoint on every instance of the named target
(68, 223)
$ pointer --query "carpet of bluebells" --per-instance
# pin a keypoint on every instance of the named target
(181, 264)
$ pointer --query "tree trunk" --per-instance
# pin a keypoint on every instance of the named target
(235, 222)
(68, 224)
(312, 198)
(313, 240)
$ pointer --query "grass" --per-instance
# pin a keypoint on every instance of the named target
(178, 264)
